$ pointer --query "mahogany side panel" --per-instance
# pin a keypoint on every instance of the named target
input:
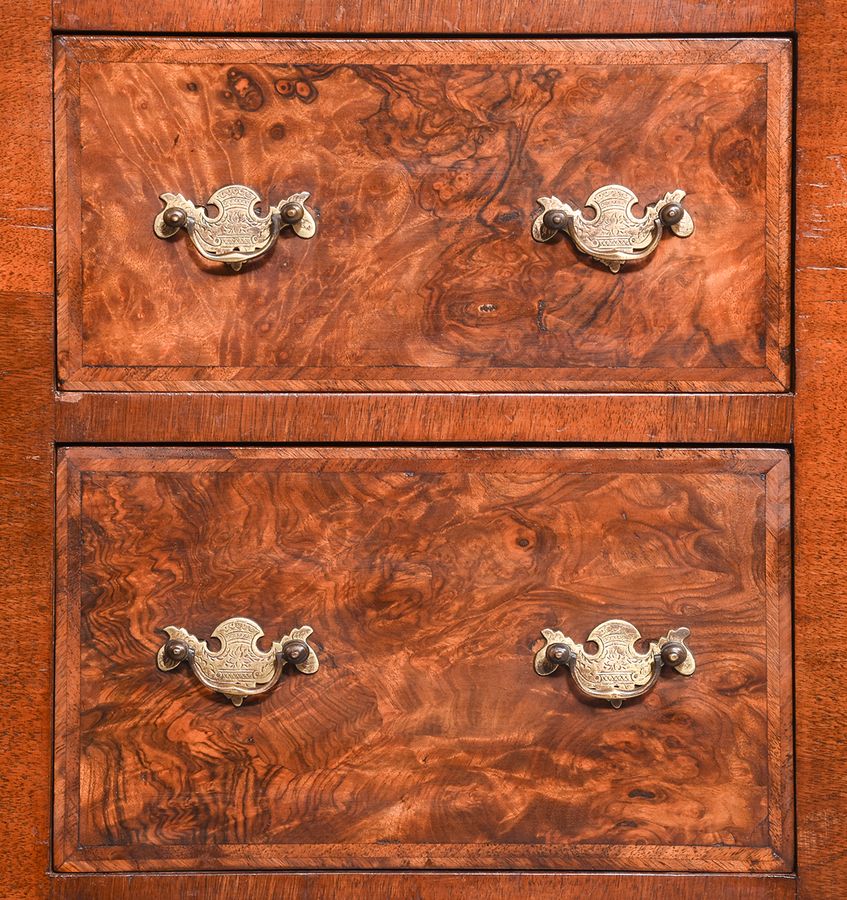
(26, 453)
(430, 16)
(428, 886)
(821, 448)
(104, 418)
(425, 740)
(424, 159)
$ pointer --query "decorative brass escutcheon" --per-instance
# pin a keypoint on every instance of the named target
(236, 234)
(617, 672)
(239, 668)
(614, 235)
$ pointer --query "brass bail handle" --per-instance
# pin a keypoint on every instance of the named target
(617, 672)
(614, 235)
(238, 669)
(237, 233)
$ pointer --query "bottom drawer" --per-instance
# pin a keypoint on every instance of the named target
(425, 737)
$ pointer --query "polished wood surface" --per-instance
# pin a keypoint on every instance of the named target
(425, 739)
(425, 886)
(435, 16)
(821, 451)
(26, 428)
(424, 159)
(26, 452)
(92, 418)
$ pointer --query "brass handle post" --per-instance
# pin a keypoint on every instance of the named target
(238, 669)
(614, 235)
(237, 233)
(618, 671)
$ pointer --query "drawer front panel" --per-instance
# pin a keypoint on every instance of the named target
(424, 161)
(425, 738)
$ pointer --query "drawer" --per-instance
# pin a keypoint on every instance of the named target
(424, 161)
(425, 738)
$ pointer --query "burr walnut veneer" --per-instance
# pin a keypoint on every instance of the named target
(425, 739)
(427, 436)
(424, 159)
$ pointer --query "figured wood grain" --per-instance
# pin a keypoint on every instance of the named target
(821, 457)
(424, 159)
(92, 418)
(25, 344)
(426, 740)
(426, 886)
(437, 16)
(26, 454)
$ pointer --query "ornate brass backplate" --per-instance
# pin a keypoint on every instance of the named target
(614, 235)
(617, 672)
(239, 668)
(236, 234)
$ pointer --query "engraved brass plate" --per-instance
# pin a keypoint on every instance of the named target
(237, 233)
(617, 672)
(614, 235)
(238, 669)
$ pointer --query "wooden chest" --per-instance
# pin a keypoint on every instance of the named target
(423, 434)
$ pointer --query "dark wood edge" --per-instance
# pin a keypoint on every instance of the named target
(778, 205)
(759, 461)
(66, 692)
(427, 857)
(93, 379)
(780, 676)
(422, 48)
(67, 205)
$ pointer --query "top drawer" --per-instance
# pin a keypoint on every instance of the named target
(424, 160)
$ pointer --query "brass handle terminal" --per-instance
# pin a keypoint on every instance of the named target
(237, 233)
(614, 235)
(617, 672)
(239, 668)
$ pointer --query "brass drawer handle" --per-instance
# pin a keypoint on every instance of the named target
(236, 234)
(614, 235)
(239, 668)
(617, 672)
